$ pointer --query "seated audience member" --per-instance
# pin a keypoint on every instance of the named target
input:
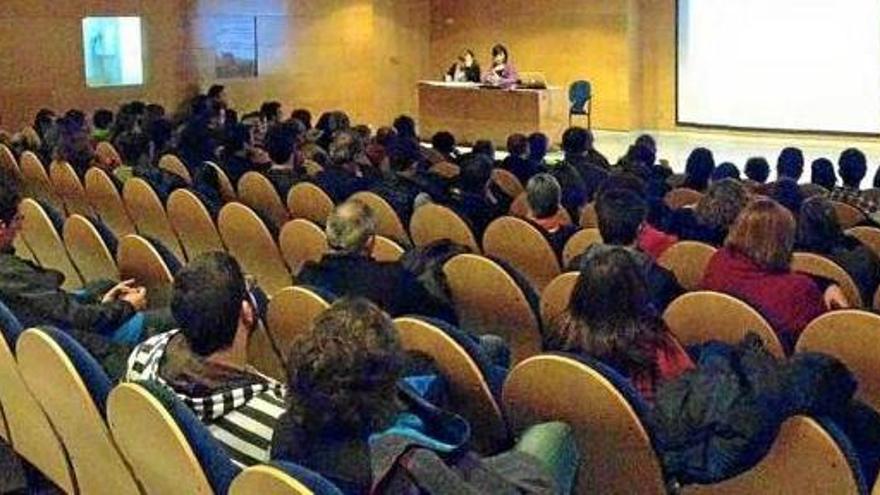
(755, 265)
(819, 232)
(611, 317)
(723, 171)
(377, 148)
(517, 161)
(343, 176)
(353, 419)
(350, 270)
(484, 147)
(651, 239)
(647, 141)
(303, 116)
(543, 195)
(238, 156)
(102, 121)
(698, 170)
(405, 182)
(579, 177)
(757, 171)
(621, 214)
(405, 127)
(473, 197)
(822, 173)
(280, 145)
(204, 362)
(713, 215)
(443, 143)
(852, 167)
(790, 164)
(538, 147)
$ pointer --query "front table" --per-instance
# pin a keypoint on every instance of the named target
(470, 112)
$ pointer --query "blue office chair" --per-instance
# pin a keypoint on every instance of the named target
(580, 96)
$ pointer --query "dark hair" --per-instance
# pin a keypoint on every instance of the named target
(620, 213)
(501, 49)
(721, 204)
(725, 170)
(609, 315)
(538, 144)
(853, 166)
(385, 135)
(822, 173)
(206, 303)
(475, 172)
(270, 110)
(484, 147)
(43, 120)
(76, 118)
(818, 228)
(877, 178)
(216, 90)
(10, 196)
(132, 146)
(405, 127)
(343, 374)
(279, 143)
(648, 141)
(790, 163)
(517, 144)
(304, 116)
(699, 168)
(758, 169)
(102, 119)
(160, 132)
(543, 194)
(575, 140)
(443, 142)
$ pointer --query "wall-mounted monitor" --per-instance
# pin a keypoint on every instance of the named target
(112, 47)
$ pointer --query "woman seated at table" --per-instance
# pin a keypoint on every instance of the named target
(465, 69)
(503, 74)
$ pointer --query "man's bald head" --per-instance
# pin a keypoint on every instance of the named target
(351, 227)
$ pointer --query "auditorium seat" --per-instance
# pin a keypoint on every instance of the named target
(281, 478)
(556, 296)
(36, 181)
(603, 409)
(507, 182)
(227, 191)
(138, 259)
(488, 300)
(193, 224)
(470, 391)
(697, 317)
(171, 164)
(387, 220)
(433, 222)
(851, 336)
(809, 190)
(257, 191)
(578, 243)
(386, 250)
(526, 248)
(848, 216)
(445, 170)
(72, 388)
(589, 219)
(306, 200)
(107, 202)
(88, 250)
(869, 236)
(300, 241)
(45, 241)
(69, 189)
(688, 261)
(249, 241)
(8, 163)
(148, 214)
(682, 197)
(167, 447)
(814, 264)
(107, 153)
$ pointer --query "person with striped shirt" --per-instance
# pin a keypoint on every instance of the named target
(204, 362)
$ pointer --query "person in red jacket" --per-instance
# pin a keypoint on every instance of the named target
(755, 265)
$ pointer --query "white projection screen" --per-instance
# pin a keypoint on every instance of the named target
(803, 65)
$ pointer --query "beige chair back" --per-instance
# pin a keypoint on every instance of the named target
(306, 200)
(107, 154)
(88, 251)
(697, 317)
(139, 260)
(58, 387)
(31, 434)
(69, 189)
(45, 242)
(488, 300)
(507, 182)
(523, 246)
(555, 298)
(848, 215)
(36, 181)
(193, 223)
(814, 264)
(851, 336)
(681, 197)
(148, 214)
(257, 191)
(615, 449)
(519, 207)
(809, 190)
(312, 167)
(578, 243)
(869, 236)
(804, 459)
(433, 222)
(269, 480)
(589, 218)
(688, 261)
(301, 241)
(227, 190)
(107, 202)
(445, 169)
(469, 392)
(386, 250)
(142, 427)
(248, 240)
(7, 162)
(174, 166)
(388, 222)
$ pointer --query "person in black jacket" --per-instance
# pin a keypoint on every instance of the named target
(465, 68)
(580, 174)
(343, 176)
(350, 270)
(820, 233)
(405, 182)
(518, 161)
(473, 197)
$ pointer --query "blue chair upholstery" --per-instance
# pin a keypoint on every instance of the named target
(580, 95)
(311, 479)
(215, 462)
(10, 326)
(92, 373)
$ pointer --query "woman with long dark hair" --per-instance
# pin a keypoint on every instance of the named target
(502, 74)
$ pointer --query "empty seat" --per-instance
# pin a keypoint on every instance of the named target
(814, 264)
(387, 220)
(249, 241)
(138, 259)
(174, 166)
(69, 188)
(257, 191)
(306, 200)
(45, 242)
(507, 182)
(88, 250)
(523, 246)
(869, 236)
(107, 202)
(148, 214)
(193, 224)
(578, 243)
(433, 222)
(688, 261)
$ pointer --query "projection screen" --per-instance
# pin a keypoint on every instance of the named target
(803, 65)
